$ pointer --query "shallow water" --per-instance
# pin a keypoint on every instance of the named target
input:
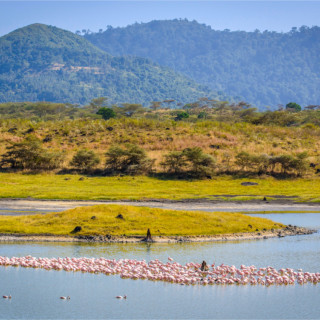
(36, 292)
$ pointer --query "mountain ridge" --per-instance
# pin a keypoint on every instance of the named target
(40, 62)
(264, 68)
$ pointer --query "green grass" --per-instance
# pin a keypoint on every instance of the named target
(50, 186)
(136, 222)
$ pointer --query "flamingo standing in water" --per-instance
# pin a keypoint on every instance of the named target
(190, 274)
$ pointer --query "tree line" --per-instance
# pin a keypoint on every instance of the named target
(291, 114)
(130, 159)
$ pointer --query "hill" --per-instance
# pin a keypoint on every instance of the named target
(265, 69)
(45, 63)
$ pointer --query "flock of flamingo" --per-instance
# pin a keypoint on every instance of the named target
(155, 270)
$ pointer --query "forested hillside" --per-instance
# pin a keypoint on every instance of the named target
(45, 63)
(264, 68)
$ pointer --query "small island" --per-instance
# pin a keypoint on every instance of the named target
(118, 223)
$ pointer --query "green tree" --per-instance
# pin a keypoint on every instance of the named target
(106, 113)
(293, 106)
(181, 115)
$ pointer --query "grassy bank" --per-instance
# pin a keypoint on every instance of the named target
(222, 140)
(136, 221)
(68, 187)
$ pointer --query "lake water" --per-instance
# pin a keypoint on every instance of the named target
(36, 292)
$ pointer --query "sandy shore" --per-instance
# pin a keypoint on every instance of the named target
(288, 231)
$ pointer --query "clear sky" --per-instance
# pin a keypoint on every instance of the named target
(220, 15)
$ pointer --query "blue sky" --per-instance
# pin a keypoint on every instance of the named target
(94, 15)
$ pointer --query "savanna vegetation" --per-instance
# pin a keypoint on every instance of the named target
(116, 220)
(231, 139)
(220, 143)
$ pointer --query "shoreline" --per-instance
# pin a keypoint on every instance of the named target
(279, 233)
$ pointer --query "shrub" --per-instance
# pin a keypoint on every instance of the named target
(85, 160)
(259, 162)
(200, 163)
(181, 115)
(284, 160)
(174, 162)
(264, 163)
(129, 160)
(202, 115)
(192, 161)
(30, 155)
(289, 163)
(242, 160)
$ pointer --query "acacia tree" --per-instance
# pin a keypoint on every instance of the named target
(174, 162)
(190, 161)
(129, 109)
(128, 160)
(106, 113)
(85, 160)
(30, 155)
(293, 106)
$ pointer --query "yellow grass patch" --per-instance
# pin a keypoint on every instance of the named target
(136, 221)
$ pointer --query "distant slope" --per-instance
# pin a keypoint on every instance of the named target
(266, 68)
(41, 62)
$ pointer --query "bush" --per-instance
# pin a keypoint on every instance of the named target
(202, 115)
(129, 160)
(174, 162)
(242, 160)
(85, 160)
(284, 160)
(264, 163)
(191, 161)
(181, 115)
(200, 163)
(30, 155)
(297, 164)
